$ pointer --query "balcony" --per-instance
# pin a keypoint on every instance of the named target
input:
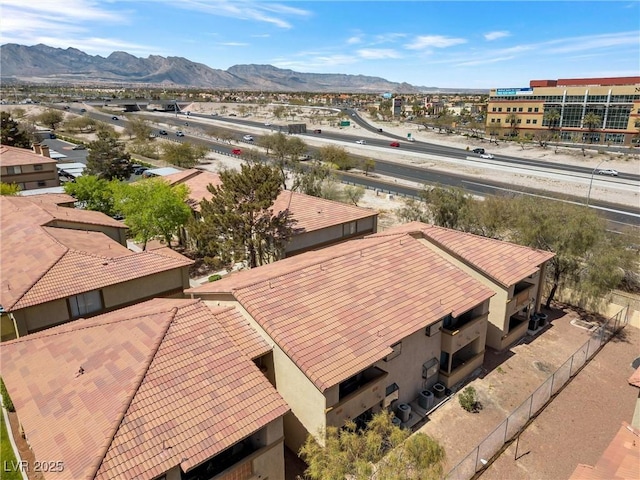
(357, 395)
(522, 296)
(461, 334)
(461, 367)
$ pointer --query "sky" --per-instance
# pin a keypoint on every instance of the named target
(446, 44)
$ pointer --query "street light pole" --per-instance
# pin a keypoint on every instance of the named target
(591, 181)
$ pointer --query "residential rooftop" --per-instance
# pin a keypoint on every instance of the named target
(336, 311)
(137, 391)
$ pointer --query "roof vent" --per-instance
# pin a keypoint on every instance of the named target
(80, 371)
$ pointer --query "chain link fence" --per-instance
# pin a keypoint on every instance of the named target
(479, 457)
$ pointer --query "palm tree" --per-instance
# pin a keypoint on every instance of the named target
(592, 121)
(512, 120)
(552, 118)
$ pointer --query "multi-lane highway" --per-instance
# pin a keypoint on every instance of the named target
(620, 215)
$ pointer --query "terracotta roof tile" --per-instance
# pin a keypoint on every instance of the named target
(41, 263)
(13, 156)
(163, 385)
(620, 461)
(241, 332)
(51, 198)
(505, 262)
(310, 213)
(338, 310)
(634, 379)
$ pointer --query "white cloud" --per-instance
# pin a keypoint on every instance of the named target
(377, 53)
(315, 63)
(233, 44)
(434, 41)
(354, 40)
(496, 35)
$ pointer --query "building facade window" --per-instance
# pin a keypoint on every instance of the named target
(618, 116)
(348, 229)
(85, 303)
(528, 120)
(535, 121)
(38, 167)
(42, 183)
(529, 109)
(615, 138)
(14, 170)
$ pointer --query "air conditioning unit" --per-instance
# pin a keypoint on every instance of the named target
(430, 368)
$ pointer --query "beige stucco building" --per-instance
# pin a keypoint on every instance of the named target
(615, 102)
(29, 169)
(60, 264)
(356, 327)
(515, 274)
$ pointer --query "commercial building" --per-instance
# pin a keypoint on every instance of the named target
(581, 110)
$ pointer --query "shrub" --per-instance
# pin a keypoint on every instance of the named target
(215, 277)
(6, 399)
(469, 400)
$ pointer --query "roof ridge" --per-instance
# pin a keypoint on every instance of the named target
(497, 240)
(318, 262)
(142, 375)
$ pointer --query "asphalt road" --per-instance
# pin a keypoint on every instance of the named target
(618, 215)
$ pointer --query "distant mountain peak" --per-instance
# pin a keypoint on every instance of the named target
(43, 63)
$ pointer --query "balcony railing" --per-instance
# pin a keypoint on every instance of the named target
(368, 393)
(454, 340)
(461, 369)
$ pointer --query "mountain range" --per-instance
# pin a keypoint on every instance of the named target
(45, 64)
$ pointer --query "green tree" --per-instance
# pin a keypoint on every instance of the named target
(239, 222)
(12, 133)
(368, 165)
(353, 194)
(586, 262)
(380, 450)
(286, 152)
(185, 155)
(107, 158)
(551, 118)
(311, 178)
(448, 206)
(138, 127)
(512, 121)
(592, 121)
(337, 156)
(51, 118)
(9, 189)
(81, 124)
(153, 208)
(94, 193)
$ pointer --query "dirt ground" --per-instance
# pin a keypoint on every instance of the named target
(575, 427)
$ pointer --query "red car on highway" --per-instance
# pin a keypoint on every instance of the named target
(394, 144)
(236, 151)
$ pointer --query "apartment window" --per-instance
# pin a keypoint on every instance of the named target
(520, 109)
(42, 183)
(14, 170)
(528, 120)
(38, 167)
(498, 120)
(493, 120)
(508, 109)
(519, 120)
(348, 228)
(397, 349)
(529, 109)
(535, 122)
(499, 109)
(493, 109)
(535, 110)
(85, 303)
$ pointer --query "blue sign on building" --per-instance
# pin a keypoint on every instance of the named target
(503, 92)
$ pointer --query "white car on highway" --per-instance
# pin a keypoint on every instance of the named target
(486, 155)
(608, 171)
(361, 142)
(248, 138)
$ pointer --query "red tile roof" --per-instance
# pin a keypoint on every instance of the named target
(14, 156)
(620, 461)
(311, 213)
(41, 264)
(54, 198)
(338, 310)
(634, 379)
(506, 263)
(241, 332)
(162, 385)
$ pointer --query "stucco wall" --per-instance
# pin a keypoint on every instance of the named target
(406, 368)
(270, 463)
(142, 288)
(336, 233)
(41, 316)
